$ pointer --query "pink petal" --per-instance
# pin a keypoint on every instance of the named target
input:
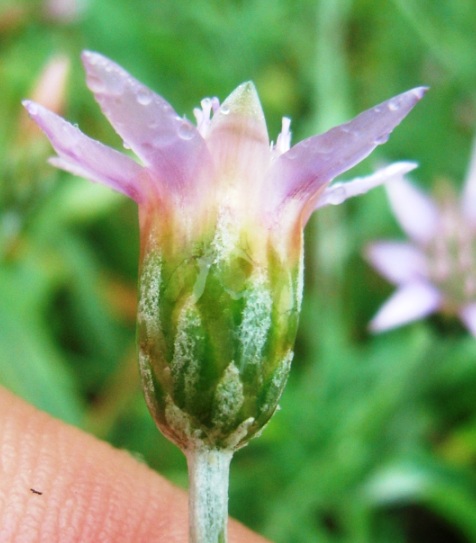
(468, 315)
(339, 192)
(469, 191)
(302, 171)
(239, 146)
(84, 156)
(166, 143)
(238, 137)
(409, 303)
(415, 211)
(399, 262)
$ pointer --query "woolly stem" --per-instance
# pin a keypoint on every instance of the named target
(208, 471)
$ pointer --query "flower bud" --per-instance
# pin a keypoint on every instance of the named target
(216, 329)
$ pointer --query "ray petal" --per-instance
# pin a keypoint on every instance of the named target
(468, 315)
(399, 262)
(409, 303)
(306, 168)
(84, 156)
(415, 211)
(468, 202)
(238, 133)
(339, 192)
(169, 145)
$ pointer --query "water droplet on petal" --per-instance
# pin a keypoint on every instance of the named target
(95, 83)
(225, 109)
(381, 139)
(144, 97)
(393, 106)
(349, 131)
(186, 131)
(126, 145)
(33, 109)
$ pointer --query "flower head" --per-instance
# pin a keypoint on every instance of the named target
(221, 212)
(436, 269)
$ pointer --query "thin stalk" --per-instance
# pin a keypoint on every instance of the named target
(208, 472)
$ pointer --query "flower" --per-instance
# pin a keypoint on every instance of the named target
(436, 269)
(221, 214)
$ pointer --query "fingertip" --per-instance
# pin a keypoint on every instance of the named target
(61, 484)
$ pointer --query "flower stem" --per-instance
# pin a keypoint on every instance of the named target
(208, 471)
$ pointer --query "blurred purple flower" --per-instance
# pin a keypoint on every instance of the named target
(436, 269)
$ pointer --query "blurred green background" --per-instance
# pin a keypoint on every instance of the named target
(376, 438)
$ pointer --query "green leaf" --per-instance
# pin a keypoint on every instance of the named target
(30, 364)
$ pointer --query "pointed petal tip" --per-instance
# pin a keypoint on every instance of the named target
(86, 53)
(401, 167)
(30, 106)
(248, 86)
(90, 57)
(419, 92)
(244, 100)
(37, 112)
(99, 68)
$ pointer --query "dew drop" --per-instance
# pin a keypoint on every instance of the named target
(225, 109)
(144, 97)
(126, 145)
(393, 106)
(33, 109)
(96, 84)
(381, 139)
(186, 131)
(349, 132)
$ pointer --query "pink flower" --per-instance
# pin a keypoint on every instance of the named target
(436, 269)
(222, 212)
(227, 157)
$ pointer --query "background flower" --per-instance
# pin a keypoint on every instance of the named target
(436, 270)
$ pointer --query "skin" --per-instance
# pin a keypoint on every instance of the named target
(59, 484)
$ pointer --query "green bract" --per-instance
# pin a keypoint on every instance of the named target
(215, 341)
